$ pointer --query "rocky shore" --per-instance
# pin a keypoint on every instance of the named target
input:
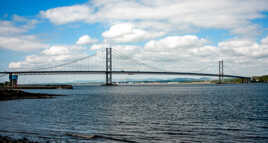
(5, 139)
(9, 94)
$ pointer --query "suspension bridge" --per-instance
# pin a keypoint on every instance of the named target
(108, 70)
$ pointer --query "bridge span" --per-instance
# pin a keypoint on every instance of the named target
(119, 72)
(109, 72)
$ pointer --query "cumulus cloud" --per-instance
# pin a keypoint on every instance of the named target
(86, 39)
(56, 50)
(245, 48)
(179, 53)
(62, 15)
(126, 32)
(18, 18)
(169, 14)
(264, 41)
(21, 43)
(7, 28)
(175, 42)
(13, 37)
(53, 55)
(15, 65)
(98, 46)
(118, 30)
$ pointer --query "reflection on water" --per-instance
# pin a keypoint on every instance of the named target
(173, 113)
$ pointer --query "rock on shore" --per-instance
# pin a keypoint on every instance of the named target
(9, 94)
(5, 139)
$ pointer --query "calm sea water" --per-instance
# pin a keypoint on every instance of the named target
(169, 113)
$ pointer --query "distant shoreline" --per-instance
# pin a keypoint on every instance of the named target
(165, 83)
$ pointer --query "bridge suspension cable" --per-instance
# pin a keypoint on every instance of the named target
(66, 64)
(207, 67)
(61, 65)
(229, 69)
(135, 61)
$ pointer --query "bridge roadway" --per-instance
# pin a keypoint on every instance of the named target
(118, 72)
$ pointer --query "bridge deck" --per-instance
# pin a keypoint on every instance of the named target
(117, 72)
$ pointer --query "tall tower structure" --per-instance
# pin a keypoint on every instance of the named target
(221, 72)
(108, 66)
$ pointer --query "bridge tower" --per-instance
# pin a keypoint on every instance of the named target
(221, 72)
(13, 80)
(109, 66)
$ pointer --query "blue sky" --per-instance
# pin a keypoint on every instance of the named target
(179, 34)
(32, 7)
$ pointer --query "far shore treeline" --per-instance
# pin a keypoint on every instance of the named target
(263, 78)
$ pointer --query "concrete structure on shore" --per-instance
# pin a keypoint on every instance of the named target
(13, 80)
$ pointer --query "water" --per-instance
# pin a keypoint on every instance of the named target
(169, 113)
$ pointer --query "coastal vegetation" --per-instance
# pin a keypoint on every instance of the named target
(263, 79)
(229, 81)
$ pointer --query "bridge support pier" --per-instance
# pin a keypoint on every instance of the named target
(108, 71)
(245, 80)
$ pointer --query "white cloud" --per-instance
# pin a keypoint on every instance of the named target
(56, 50)
(62, 15)
(54, 55)
(205, 51)
(175, 42)
(10, 27)
(245, 48)
(179, 53)
(21, 43)
(18, 18)
(7, 28)
(264, 41)
(86, 39)
(97, 46)
(118, 30)
(15, 65)
(126, 32)
(174, 15)
(13, 37)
